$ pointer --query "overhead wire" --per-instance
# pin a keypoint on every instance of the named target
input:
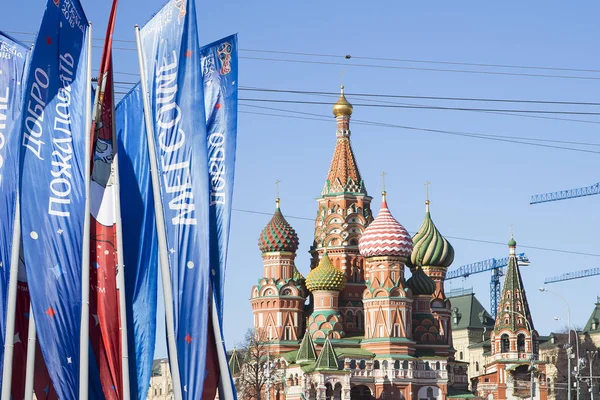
(450, 237)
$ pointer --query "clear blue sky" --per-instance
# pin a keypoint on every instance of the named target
(479, 187)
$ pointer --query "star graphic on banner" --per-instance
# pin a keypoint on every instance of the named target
(172, 251)
(59, 231)
(0, 264)
(57, 270)
(47, 390)
(96, 319)
(51, 313)
(17, 339)
(233, 83)
(96, 265)
(188, 338)
(188, 53)
(48, 40)
(218, 106)
(69, 360)
(185, 388)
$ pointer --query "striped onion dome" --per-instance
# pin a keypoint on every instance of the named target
(430, 247)
(278, 235)
(325, 276)
(385, 236)
(420, 283)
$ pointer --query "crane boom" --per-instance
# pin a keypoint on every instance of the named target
(566, 194)
(573, 275)
(494, 265)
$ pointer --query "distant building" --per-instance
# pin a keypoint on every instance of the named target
(514, 345)
(161, 386)
(471, 329)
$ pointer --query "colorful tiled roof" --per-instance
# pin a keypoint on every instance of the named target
(325, 276)
(420, 283)
(278, 235)
(307, 351)
(430, 247)
(385, 236)
(327, 358)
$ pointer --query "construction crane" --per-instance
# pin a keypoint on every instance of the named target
(573, 275)
(495, 265)
(566, 194)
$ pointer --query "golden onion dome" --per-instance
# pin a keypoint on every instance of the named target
(342, 107)
(325, 276)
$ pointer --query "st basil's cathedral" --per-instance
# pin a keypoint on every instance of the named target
(355, 327)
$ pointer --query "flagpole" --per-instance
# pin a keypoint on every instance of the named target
(11, 311)
(120, 264)
(160, 230)
(84, 348)
(30, 366)
(225, 387)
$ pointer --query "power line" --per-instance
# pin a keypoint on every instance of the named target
(450, 237)
(427, 107)
(422, 69)
(407, 60)
(350, 64)
(398, 96)
(501, 138)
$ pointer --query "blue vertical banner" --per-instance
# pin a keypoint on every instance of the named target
(140, 249)
(53, 188)
(220, 75)
(13, 57)
(171, 60)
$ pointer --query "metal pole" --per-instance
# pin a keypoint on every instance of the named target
(9, 344)
(225, 386)
(569, 322)
(120, 265)
(592, 355)
(30, 368)
(84, 346)
(160, 229)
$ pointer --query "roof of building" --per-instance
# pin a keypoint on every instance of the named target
(278, 235)
(307, 351)
(420, 283)
(327, 360)
(235, 365)
(593, 324)
(469, 313)
(342, 106)
(325, 276)
(385, 236)
(513, 310)
(430, 248)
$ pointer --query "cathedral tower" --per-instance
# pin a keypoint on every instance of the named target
(385, 244)
(325, 283)
(434, 254)
(514, 336)
(343, 214)
(278, 298)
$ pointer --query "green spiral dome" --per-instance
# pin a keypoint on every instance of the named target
(430, 248)
(420, 283)
(325, 276)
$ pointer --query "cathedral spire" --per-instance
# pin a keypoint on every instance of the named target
(343, 176)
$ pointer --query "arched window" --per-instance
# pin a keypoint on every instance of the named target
(521, 343)
(362, 364)
(437, 366)
(376, 364)
(384, 364)
(359, 319)
(504, 344)
(460, 355)
(349, 316)
(429, 393)
(397, 364)
(476, 366)
(404, 364)
(353, 364)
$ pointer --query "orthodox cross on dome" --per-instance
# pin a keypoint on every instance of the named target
(383, 193)
(427, 183)
(277, 182)
(342, 78)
